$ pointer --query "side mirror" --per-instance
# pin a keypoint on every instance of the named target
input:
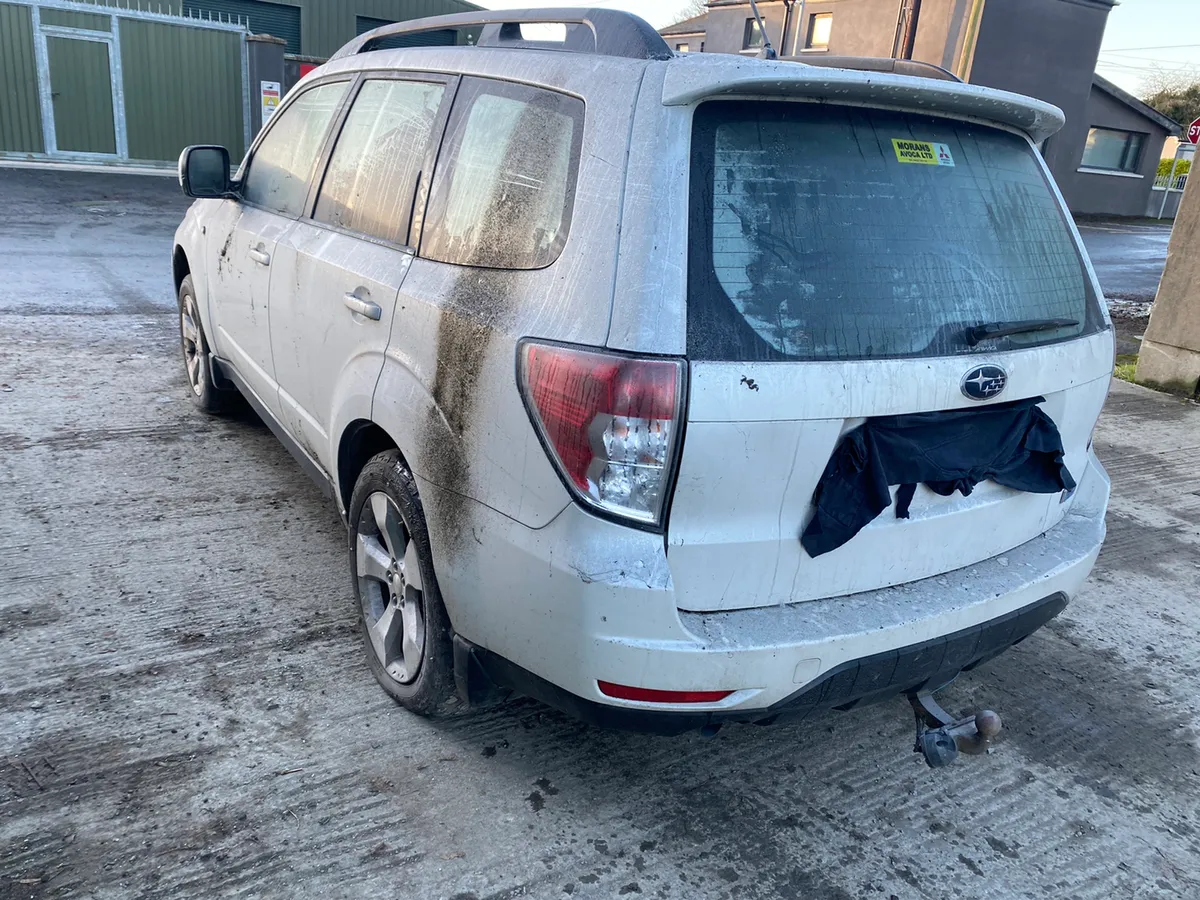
(204, 171)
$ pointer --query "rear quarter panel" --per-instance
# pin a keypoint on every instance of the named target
(448, 392)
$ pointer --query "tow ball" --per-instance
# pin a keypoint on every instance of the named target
(940, 737)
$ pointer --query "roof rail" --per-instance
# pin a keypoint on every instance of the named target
(877, 64)
(605, 32)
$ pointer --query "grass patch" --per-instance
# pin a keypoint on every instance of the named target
(1126, 367)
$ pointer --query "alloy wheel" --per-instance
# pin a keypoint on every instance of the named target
(193, 345)
(390, 588)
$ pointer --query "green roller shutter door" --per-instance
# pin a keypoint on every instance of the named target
(276, 19)
(182, 86)
(20, 114)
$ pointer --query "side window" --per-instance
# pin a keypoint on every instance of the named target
(283, 163)
(377, 160)
(505, 183)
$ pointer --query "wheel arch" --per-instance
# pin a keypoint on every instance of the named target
(180, 266)
(361, 440)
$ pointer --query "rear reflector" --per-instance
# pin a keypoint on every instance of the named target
(646, 695)
(609, 422)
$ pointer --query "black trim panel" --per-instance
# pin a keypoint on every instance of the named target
(925, 666)
(307, 463)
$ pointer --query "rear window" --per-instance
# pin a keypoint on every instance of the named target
(827, 233)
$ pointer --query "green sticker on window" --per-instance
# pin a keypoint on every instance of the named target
(923, 153)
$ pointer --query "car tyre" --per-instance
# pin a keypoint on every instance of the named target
(406, 631)
(205, 395)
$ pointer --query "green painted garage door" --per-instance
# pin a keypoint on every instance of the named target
(81, 90)
(182, 86)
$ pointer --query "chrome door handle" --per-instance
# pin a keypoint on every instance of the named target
(259, 256)
(368, 308)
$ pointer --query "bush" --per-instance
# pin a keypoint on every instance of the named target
(1164, 167)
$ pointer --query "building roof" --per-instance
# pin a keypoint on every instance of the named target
(1144, 109)
(694, 25)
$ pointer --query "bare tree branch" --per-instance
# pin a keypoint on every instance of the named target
(693, 9)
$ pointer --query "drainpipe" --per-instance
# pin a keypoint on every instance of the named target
(966, 59)
(787, 20)
(799, 28)
(910, 31)
(897, 38)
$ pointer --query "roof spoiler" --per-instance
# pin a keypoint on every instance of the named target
(877, 64)
(603, 32)
(684, 85)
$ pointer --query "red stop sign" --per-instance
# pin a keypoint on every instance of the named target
(1193, 132)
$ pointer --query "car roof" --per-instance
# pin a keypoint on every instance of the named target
(601, 43)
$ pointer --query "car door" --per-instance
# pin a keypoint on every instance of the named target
(338, 271)
(242, 236)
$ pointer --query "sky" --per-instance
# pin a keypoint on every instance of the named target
(1142, 34)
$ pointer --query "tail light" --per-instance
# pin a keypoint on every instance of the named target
(610, 423)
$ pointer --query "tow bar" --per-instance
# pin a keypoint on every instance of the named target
(940, 738)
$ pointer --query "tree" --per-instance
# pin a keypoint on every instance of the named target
(693, 9)
(1174, 94)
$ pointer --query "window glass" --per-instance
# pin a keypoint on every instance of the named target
(374, 167)
(826, 233)
(505, 184)
(820, 26)
(283, 163)
(1120, 151)
(752, 37)
(682, 48)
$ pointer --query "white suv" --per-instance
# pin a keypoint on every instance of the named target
(670, 390)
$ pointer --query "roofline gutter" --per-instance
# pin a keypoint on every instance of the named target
(1143, 109)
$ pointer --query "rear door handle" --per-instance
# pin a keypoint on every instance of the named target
(260, 256)
(368, 308)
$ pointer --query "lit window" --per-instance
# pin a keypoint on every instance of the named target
(819, 27)
(752, 38)
(1118, 151)
(681, 48)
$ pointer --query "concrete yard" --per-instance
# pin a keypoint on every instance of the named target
(185, 710)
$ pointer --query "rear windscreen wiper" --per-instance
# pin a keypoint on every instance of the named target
(977, 333)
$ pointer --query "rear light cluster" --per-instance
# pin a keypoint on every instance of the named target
(610, 423)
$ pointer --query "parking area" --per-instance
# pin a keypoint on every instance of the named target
(185, 710)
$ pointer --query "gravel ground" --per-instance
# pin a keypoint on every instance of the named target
(185, 711)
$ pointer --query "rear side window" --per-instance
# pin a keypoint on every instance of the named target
(827, 233)
(505, 183)
(376, 163)
(283, 163)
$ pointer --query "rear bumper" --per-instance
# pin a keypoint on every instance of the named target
(925, 666)
(552, 611)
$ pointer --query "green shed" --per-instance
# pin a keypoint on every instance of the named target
(135, 81)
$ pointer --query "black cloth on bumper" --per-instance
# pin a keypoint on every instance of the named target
(1014, 444)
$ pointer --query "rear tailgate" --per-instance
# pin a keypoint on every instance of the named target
(838, 257)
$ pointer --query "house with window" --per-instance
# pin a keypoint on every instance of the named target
(686, 36)
(1106, 156)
